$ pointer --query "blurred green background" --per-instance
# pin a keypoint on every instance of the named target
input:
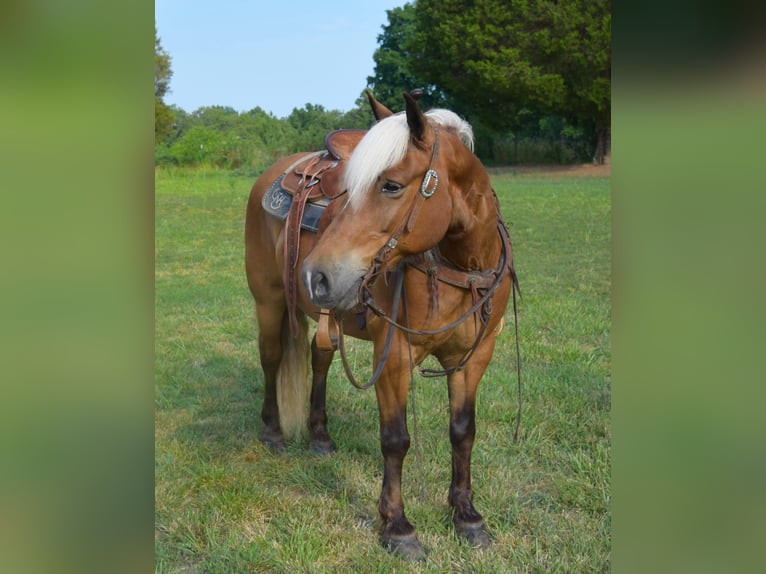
(688, 202)
(76, 240)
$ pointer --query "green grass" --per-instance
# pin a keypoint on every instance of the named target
(225, 504)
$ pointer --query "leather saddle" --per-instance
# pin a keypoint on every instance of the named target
(315, 180)
(299, 197)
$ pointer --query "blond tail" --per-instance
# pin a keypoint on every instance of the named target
(293, 383)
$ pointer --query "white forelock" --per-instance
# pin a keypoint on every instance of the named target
(386, 144)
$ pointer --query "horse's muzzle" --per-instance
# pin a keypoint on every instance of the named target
(332, 288)
(318, 285)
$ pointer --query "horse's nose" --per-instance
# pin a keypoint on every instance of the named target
(317, 284)
(320, 286)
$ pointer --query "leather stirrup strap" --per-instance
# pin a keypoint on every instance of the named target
(327, 331)
(292, 245)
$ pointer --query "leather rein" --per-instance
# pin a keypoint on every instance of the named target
(483, 302)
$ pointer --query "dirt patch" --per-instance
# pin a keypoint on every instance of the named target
(580, 170)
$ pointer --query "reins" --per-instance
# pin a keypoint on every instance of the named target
(367, 300)
(514, 289)
(398, 289)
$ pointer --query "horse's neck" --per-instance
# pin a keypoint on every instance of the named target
(473, 244)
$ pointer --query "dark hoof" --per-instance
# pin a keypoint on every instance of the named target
(273, 440)
(473, 533)
(322, 447)
(407, 547)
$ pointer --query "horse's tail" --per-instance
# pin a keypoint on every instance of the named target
(293, 380)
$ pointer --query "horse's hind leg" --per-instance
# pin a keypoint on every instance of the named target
(271, 321)
(469, 524)
(320, 440)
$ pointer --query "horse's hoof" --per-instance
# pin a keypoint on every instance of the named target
(406, 546)
(473, 533)
(273, 440)
(322, 447)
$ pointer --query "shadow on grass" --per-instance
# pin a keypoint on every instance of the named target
(222, 405)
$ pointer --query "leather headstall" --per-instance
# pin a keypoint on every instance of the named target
(482, 284)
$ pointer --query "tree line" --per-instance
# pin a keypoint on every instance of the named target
(532, 76)
(223, 137)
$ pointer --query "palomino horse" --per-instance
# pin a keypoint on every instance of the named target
(413, 256)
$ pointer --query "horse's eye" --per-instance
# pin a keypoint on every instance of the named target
(391, 188)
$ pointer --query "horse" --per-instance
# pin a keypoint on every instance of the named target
(412, 255)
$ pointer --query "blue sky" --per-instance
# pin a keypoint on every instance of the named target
(274, 54)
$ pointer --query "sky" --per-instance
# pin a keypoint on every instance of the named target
(275, 54)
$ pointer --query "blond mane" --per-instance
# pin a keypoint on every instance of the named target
(386, 144)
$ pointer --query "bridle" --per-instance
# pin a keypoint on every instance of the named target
(427, 189)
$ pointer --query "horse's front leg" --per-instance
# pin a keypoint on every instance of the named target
(462, 385)
(398, 535)
(319, 438)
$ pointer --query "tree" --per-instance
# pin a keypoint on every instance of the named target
(199, 145)
(393, 73)
(163, 115)
(311, 124)
(360, 116)
(503, 58)
(220, 118)
(271, 134)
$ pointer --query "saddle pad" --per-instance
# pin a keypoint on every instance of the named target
(277, 201)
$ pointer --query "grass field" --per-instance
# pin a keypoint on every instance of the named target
(224, 503)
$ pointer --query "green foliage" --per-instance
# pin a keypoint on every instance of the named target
(163, 115)
(393, 73)
(541, 140)
(198, 145)
(310, 125)
(505, 68)
(499, 58)
(162, 69)
(201, 145)
(219, 118)
(220, 136)
(265, 132)
(360, 117)
(163, 121)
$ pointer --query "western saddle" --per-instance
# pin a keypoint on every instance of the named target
(299, 197)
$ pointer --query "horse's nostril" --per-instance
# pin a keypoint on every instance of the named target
(319, 284)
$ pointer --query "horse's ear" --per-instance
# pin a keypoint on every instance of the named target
(378, 110)
(416, 119)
